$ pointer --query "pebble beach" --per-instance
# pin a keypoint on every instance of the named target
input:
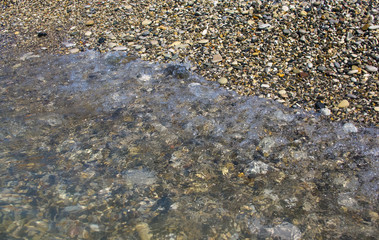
(180, 120)
(321, 56)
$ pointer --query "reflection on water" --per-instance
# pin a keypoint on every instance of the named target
(102, 147)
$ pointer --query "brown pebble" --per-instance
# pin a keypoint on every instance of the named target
(343, 104)
(303, 74)
(217, 58)
(89, 23)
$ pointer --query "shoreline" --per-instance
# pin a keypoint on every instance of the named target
(261, 49)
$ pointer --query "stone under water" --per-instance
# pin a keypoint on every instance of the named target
(103, 146)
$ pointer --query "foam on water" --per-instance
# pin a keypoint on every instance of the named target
(117, 133)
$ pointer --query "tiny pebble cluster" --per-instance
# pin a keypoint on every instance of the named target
(317, 55)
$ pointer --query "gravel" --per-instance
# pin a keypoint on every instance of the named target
(311, 44)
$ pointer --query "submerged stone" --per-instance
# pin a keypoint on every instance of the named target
(155, 151)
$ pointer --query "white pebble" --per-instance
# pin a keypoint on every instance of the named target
(350, 128)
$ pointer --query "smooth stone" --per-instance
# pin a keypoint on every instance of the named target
(203, 41)
(349, 36)
(146, 22)
(319, 105)
(303, 13)
(41, 34)
(321, 68)
(286, 31)
(337, 65)
(176, 43)
(370, 68)
(112, 45)
(120, 48)
(138, 47)
(265, 86)
(89, 23)
(373, 27)
(343, 104)
(350, 128)
(376, 109)
(223, 81)
(283, 93)
(111, 36)
(28, 56)
(285, 8)
(88, 34)
(68, 45)
(145, 33)
(304, 74)
(264, 26)
(154, 42)
(325, 112)
(217, 58)
(354, 71)
(365, 27)
(74, 50)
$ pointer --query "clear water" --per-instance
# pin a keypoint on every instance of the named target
(105, 147)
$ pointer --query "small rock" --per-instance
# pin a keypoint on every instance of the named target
(263, 26)
(94, 227)
(286, 31)
(145, 33)
(349, 36)
(129, 38)
(203, 41)
(350, 128)
(265, 86)
(325, 112)
(112, 45)
(154, 42)
(365, 27)
(319, 105)
(351, 95)
(354, 71)
(303, 74)
(89, 23)
(68, 45)
(343, 104)
(74, 50)
(303, 13)
(283, 93)
(285, 8)
(376, 109)
(88, 34)
(120, 48)
(217, 58)
(223, 81)
(42, 34)
(370, 68)
(373, 27)
(321, 68)
(101, 40)
(146, 22)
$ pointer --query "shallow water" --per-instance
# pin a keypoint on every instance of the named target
(107, 147)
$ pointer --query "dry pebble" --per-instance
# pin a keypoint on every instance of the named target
(223, 81)
(298, 38)
(343, 104)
